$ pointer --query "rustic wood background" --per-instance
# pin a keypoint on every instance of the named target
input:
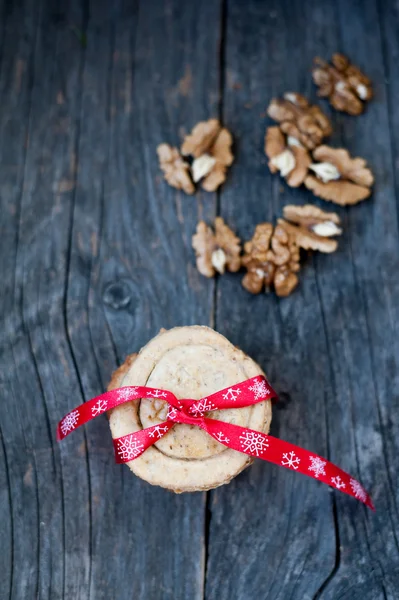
(96, 257)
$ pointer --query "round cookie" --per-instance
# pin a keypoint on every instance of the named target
(192, 362)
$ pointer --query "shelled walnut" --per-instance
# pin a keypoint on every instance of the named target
(311, 227)
(271, 257)
(346, 87)
(176, 170)
(216, 252)
(210, 146)
(208, 152)
(338, 177)
(300, 120)
(286, 155)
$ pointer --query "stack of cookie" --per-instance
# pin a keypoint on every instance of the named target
(192, 362)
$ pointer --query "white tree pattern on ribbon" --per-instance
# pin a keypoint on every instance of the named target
(129, 448)
(358, 490)
(201, 407)
(158, 431)
(254, 443)
(69, 422)
(125, 394)
(157, 394)
(259, 389)
(317, 466)
(222, 438)
(290, 460)
(99, 407)
(232, 394)
(338, 483)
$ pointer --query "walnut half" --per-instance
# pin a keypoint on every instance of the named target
(270, 258)
(208, 152)
(287, 156)
(210, 145)
(300, 120)
(176, 170)
(216, 251)
(345, 85)
(311, 227)
(339, 177)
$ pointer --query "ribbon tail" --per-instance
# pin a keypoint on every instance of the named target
(131, 446)
(257, 444)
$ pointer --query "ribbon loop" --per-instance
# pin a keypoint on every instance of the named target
(182, 417)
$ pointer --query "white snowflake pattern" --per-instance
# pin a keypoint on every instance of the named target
(130, 448)
(338, 483)
(222, 438)
(317, 466)
(201, 407)
(69, 422)
(157, 394)
(99, 407)
(259, 389)
(158, 431)
(172, 413)
(126, 393)
(290, 460)
(232, 394)
(254, 443)
(358, 490)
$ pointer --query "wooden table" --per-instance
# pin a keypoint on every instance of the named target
(96, 257)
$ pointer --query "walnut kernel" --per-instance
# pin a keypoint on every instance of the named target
(344, 84)
(176, 170)
(216, 251)
(286, 155)
(300, 120)
(210, 145)
(270, 258)
(339, 177)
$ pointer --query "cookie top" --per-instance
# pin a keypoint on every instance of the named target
(192, 362)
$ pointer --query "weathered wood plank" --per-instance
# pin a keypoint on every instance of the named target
(12, 136)
(364, 342)
(29, 466)
(131, 271)
(93, 221)
(288, 536)
(42, 349)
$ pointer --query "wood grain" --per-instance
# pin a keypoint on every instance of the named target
(95, 254)
(132, 234)
(99, 249)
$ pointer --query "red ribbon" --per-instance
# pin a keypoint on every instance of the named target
(192, 412)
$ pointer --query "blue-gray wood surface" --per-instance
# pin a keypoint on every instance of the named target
(95, 257)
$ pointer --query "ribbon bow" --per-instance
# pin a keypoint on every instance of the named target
(193, 412)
